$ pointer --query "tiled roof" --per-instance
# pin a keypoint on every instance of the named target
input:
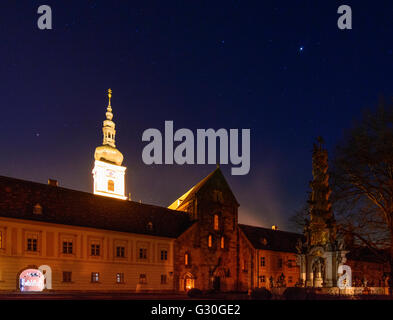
(268, 239)
(76, 208)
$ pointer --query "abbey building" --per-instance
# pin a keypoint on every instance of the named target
(53, 238)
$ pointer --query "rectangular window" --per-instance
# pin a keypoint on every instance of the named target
(164, 255)
(210, 241)
(290, 279)
(142, 253)
(291, 263)
(216, 222)
(95, 277)
(32, 244)
(279, 263)
(142, 278)
(120, 252)
(163, 279)
(263, 261)
(67, 276)
(67, 247)
(95, 249)
(119, 277)
(263, 279)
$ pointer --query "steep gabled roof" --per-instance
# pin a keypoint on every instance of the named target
(76, 208)
(216, 174)
(268, 239)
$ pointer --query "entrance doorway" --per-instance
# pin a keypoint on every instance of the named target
(217, 283)
(188, 282)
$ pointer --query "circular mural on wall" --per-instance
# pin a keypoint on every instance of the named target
(31, 280)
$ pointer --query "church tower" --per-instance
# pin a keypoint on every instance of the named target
(108, 173)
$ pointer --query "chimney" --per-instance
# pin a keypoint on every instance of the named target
(53, 182)
(274, 227)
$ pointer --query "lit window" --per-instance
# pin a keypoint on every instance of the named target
(142, 279)
(216, 222)
(67, 247)
(37, 209)
(142, 253)
(119, 277)
(222, 242)
(186, 259)
(163, 279)
(32, 244)
(67, 276)
(245, 265)
(210, 241)
(263, 261)
(164, 255)
(95, 249)
(111, 185)
(95, 277)
(120, 252)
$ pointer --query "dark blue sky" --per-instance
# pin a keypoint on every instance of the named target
(202, 64)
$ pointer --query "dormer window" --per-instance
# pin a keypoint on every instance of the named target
(37, 209)
(149, 226)
(111, 186)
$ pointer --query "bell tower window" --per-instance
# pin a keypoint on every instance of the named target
(111, 185)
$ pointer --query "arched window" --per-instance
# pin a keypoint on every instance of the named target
(216, 222)
(186, 259)
(222, 242)
(210, 241)
(111, 185)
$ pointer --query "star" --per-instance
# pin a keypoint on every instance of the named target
(301, 48)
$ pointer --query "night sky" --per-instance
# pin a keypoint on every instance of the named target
(281, 68)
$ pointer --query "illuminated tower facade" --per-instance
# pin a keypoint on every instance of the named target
(108, 173)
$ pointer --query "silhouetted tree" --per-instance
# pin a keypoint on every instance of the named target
(362, 181)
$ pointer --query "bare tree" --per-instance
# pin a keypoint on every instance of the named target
(362, 180)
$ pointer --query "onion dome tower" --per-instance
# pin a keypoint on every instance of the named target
(108, 173)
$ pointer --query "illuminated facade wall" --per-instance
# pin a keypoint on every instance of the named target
(145, 263)
(109, 180)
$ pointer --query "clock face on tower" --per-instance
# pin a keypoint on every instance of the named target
(110, 173)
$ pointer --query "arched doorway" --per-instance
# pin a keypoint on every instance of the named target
(188, 282)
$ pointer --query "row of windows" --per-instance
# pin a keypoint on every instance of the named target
(210, 241)
(95, 277)
(95, 249)
(291, 263)
(263, 279)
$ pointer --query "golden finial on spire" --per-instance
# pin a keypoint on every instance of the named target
(109, 96)
(109, 114)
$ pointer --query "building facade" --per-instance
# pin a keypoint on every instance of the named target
(59, 239)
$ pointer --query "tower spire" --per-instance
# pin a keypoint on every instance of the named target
(108, 172)
(109, 114)
(108, 128)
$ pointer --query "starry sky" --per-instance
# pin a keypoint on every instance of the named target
(281, 68)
